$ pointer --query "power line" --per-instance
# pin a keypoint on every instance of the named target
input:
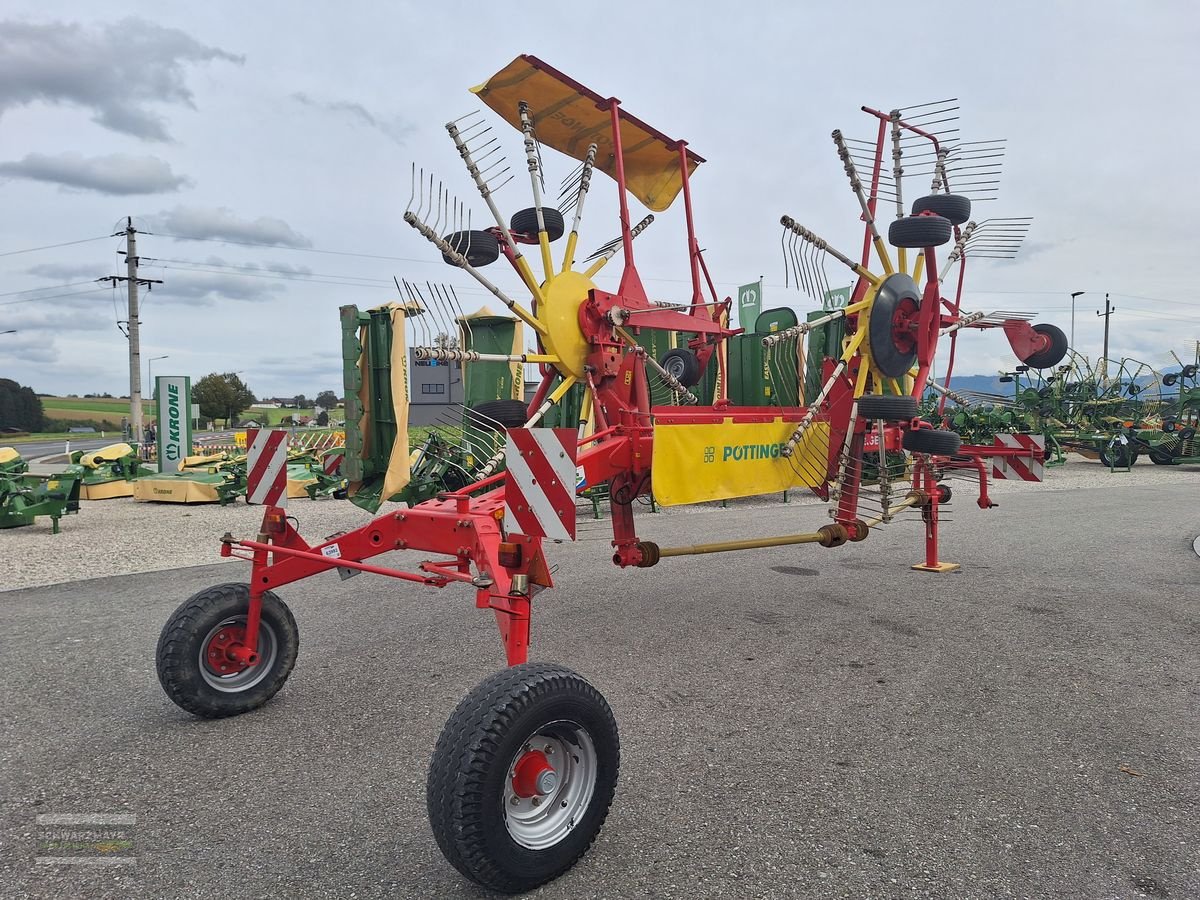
(53, 297)
(49, 287)
(52, 246)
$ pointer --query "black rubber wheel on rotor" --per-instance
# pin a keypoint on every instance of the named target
(954, 208)
(498, 415)
(1054, 352)
(479, 247)
(888, 407)
(894, 294)
(934, 441)
(1189, 371)
(919, 232)
(177, 657)
(684, 365)
(465, 788)
(524, 222)
(1170, 423)
(1170, 378)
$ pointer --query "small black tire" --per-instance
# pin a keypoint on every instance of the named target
(1117, 455)
(933, 441)
(481, 831)
(1170, 378)
(1055, 350)
(954, 208)
(479, 247)
(498, 415)
(683, 365)
(1162, 457)
(1190, 370)
(1170, 423)
(524, 222)
(888, 407)
(918, 232)
(192, 680)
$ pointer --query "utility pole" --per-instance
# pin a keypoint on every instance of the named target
(133, 333)
(1109, 309)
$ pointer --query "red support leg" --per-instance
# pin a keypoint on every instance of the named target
(925, 482)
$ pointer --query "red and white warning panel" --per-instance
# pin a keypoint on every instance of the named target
(539, 493)
(1019, 466)
(266, 467)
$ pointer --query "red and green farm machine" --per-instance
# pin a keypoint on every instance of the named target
(524, 773)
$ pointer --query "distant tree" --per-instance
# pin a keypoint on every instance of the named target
(444, 341)
(322, 418)
(20, 407)
(301, 402)
(327, 400)
(222, 396)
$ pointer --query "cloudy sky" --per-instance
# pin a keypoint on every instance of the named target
(268, 154)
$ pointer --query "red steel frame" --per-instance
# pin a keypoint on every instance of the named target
(465, 529)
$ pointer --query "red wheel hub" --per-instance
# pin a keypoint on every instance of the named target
(220, 652)
(533, 775)
(904, 325)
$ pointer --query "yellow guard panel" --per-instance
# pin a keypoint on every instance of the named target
(720, 461)
(568, 117)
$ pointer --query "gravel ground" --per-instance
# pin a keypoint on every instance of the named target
(123, 536)
(795, 723)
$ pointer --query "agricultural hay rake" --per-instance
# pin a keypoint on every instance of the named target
(525, 770)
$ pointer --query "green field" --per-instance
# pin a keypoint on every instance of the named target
(94, 409)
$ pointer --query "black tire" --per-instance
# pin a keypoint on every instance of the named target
(1117, 456)
(1055, 350)
(1170, 423)
(1189, 371)
(954, 208)
(931, 440)
(479, 247)
(919, 232)
(498, 415)
(193, 685)
(469, 792)
(524, 222)
(1170, 378)
(684, 365)
(892, 342)
(1161, 457)
(887, 407)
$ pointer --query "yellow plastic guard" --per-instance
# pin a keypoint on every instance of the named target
(8, 454)
(94, 459)
(568, 117)
(720, 461)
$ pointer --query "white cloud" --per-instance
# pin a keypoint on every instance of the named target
(221, 223)
(117, 174)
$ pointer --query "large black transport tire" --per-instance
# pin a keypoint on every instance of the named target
(931, 440)
(1056, 347)
(1117, 455)
(919, 232)
(684, 365)
(522, 777)
(479, 247)
(891, 327)
(193, 661)
(498, 415)
(1161, 456)
(887, 407)
(524, 222)
(954, 208)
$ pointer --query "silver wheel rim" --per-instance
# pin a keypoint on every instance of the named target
(235, 682)
(546, 819)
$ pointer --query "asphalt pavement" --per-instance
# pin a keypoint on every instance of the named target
(795, 723)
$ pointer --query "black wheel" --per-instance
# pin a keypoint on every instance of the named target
(479, 247)
(887, 407)
(954, 208)
(194, 658)
(1170, 423)
(931, 440)
(918, 232)
(1189, 371)
(683, 365)
(891, 328)
(498, 415)
(1054, 351)
(522, 777)
(524, 222)
(1161, 457)
(1170, 378)
(1117, 455)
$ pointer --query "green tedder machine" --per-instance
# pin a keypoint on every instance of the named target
(24, 497)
